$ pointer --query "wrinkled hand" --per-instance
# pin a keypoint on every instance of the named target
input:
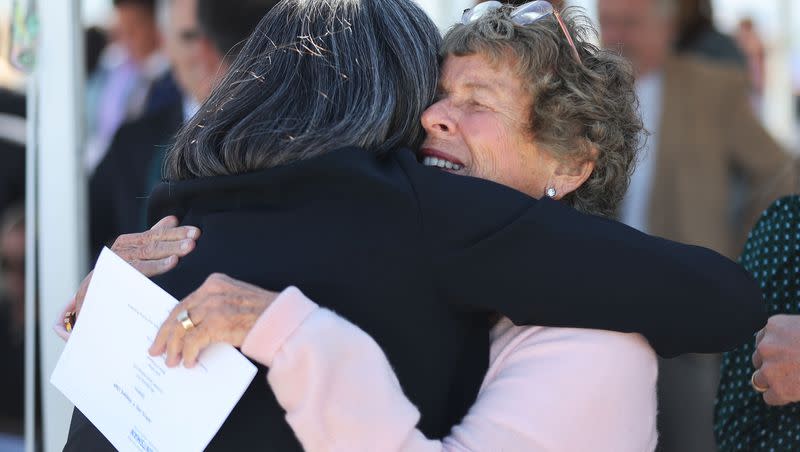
(777, 360)
(157, 251)
(222, 309)
(152, 252)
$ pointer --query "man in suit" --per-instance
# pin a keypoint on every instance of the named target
(117, 188)
(201, 38)
(705, 144)
(130, 69)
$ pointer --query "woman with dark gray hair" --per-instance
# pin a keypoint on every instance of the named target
(297, 171)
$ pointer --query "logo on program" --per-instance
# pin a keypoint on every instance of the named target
(138, 439)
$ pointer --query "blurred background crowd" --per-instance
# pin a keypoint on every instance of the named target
(718, 83)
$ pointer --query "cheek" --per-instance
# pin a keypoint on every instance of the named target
(521, 170)
(517, 163)
(488, 143)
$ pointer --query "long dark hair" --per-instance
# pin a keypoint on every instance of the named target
(313, 77)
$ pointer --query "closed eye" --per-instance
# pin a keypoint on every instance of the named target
(475, 105)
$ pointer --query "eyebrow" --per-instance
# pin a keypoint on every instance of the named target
(478, 86)
(473, 86)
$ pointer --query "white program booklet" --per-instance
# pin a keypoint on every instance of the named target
(132, 398)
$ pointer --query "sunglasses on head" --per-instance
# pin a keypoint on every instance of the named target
(522, 15)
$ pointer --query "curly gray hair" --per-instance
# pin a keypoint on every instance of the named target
(577, 106)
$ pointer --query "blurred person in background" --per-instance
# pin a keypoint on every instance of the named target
(132, 78)
(697, 34)
(96, 43)
(703, 139)
(12, 324)
(752, 46)
(757, 405)
(219, 32)
(200, 39)
(12, 148)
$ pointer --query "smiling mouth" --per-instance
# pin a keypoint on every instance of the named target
(437, 159)
(441, 163)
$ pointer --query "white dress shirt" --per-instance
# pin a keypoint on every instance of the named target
(636, 204)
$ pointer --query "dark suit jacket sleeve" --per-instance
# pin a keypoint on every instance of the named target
(543, 263)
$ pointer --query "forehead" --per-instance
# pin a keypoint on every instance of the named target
(478, 72)
(183, 11)
(626, 8)
(131, 12)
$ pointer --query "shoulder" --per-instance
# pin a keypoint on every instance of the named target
(612, 356)
(554, 382)
(347, 177)
(773, 242)
(705, 70)
(458, 211)
(785, 209)
(779, 224)
(440, 184)
(715, 83)
(143, 134)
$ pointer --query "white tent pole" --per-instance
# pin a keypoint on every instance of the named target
(30, 271)
(779, 112)
(60, 190)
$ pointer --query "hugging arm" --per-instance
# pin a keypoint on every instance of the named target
(340, 392)
(540, 262)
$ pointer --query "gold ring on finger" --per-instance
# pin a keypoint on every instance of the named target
(185, 320)
(758, 388)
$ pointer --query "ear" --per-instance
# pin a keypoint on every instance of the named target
(570, 174)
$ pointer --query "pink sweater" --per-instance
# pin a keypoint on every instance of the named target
(547, 389)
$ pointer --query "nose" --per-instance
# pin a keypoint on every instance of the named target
(437, 121)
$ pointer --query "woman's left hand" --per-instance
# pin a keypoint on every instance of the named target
(222, 310)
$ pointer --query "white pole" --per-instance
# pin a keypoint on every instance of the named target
(779, 103)
(30, 271)
(61, 189)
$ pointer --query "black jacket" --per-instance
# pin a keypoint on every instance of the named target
(119, 187)
(12, 151)
(419, 259)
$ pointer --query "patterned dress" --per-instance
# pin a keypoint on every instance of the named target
(772, 255)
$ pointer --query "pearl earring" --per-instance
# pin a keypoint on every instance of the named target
(551, 192)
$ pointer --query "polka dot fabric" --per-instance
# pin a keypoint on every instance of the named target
(772, 255)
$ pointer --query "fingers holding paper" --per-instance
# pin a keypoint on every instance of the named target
(223, 309)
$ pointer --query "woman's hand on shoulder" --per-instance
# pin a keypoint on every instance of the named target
(223, 309)
(153, 252)
(157, 251)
